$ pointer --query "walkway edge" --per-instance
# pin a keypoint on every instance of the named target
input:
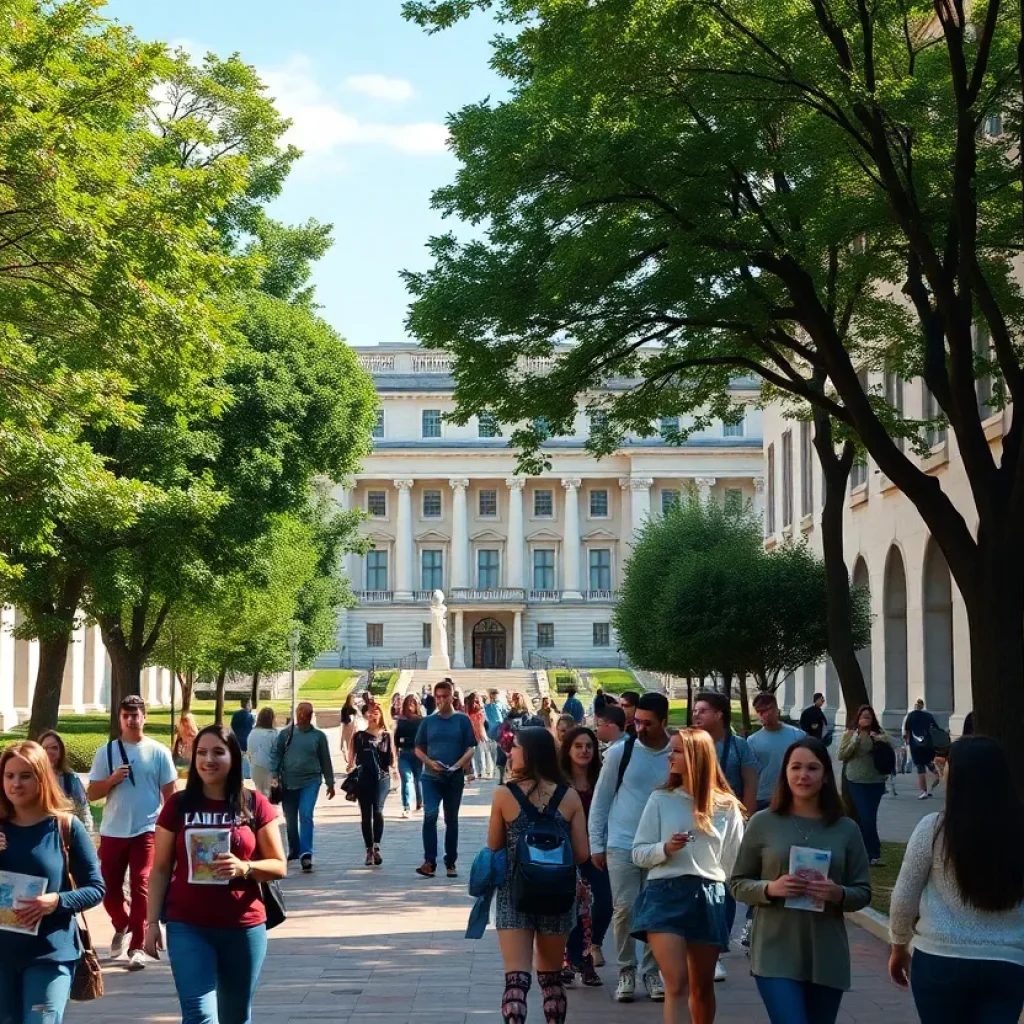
(872, 922)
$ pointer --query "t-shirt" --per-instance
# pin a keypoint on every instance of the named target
(813, 722)
(445, 739)
(237, 904)
(917, 725)
(739, 757)
(573, 707)
(131, 807)
(242, 723)
(769, 747)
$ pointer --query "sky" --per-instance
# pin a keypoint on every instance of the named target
(369, 95)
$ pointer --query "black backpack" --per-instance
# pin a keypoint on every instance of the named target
(883, 757)
(544, 880)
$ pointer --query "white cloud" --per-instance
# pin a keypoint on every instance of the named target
(381, 87)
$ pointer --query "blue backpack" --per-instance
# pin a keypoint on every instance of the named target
(544, 879)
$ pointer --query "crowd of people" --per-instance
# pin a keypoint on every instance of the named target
(607, 822)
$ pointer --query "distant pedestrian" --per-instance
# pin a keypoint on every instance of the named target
(814, 722)
(300, 761)
(374, 754)
(564, 725)
(350, 716)
(429, 704)
(261, 748)
(864, 773)
(410, 769)
(483, 762)
(917, 733)
(628, 701)
(69, 782)
(243, 721)
(396, 706)
(546, 712)
(515, 718)
(610, 725)
(800, 958)
(573, 706)
(960, 896)
(185, 734)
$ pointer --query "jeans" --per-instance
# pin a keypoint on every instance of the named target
(441, 791)
(216, 971)
(34, 994)
(626, 882)
(410, 768)
(798, 1002)
(950, 991)
(866, 797)
(134, 856)
(371, 810)
(483, 759)
(600, 912)
(298, 807)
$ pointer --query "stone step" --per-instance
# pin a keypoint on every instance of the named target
(478, 679)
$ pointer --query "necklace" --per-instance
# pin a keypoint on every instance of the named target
(801, 829)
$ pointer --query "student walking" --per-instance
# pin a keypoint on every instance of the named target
(528, 935)
(444, 743)
(215, 842)
(260, 750)
(299, 762)
(628, 701)
(813, 720)
(917, 734)
(350, 716)
(243, 721)
(573, 706)
(39, 837)
(410, 769)
(687, 841)
(960, 896)
(483, 763)
(546, 712)
(800, 959)
(374, 754)
(71, 786)
(563, 726)
(610, 725)
(134, 774)
(867, 768)
(631, 772)
(185, 733)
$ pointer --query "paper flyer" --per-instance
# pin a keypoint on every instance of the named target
(13, 888)
(812, 865)
(203, 846)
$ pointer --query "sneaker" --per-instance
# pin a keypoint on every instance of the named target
(745, 936)
(720, 972)
(924, 796)
(426, 869)
(588, 975)
(377, 858)
(369, 858)
(595, 952)
(136, 960)
(406, 813)
(626, 988)
(878, 863)
(307, 862)
(117, 944)
(655, 987)
(451, 872)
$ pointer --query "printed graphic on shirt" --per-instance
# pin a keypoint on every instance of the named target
(204, 845)
(13, 888)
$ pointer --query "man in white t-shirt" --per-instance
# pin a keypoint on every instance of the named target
(135, 775)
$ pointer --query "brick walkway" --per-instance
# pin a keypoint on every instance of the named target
(383, 946)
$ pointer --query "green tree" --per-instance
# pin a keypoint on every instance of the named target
(799, 191)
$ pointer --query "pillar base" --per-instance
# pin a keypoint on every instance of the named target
(439, 663)
(517, 663)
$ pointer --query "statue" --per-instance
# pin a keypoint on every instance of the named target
(439, 634)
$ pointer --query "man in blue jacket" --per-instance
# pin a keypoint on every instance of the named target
(573, 706)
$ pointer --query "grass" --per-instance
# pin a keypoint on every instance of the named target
(884, 878)
(615, 680)
(328, 686)
(677, 716)
(383, 682)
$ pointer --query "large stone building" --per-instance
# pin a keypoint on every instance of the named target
(529, 565)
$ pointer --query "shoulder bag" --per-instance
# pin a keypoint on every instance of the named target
(87, 981)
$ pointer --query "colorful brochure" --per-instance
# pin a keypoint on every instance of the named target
(14, 888)
(812, 865)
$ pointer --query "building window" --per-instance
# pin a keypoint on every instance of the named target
(545, 634)
(544, 569)
(993, 125)
(602, 634)
(431, 422)
(431, 504)
(806, 471)
(734, 429)
(599, 504)
(487, 425)
(487, 569)
(376, 570)
(433, 570)
(600, 569)
(598, 421)
(859, 471)
(668, 427)
(734, 499)
(378, 427)
(930, 410)
(983, 376)
(426, 634)
(488, 504)
(894, 396)
(670, 499)
(543, 504)
(377, 504)
(375, 634)
(787, 478)
(542, 427)
(770, 492)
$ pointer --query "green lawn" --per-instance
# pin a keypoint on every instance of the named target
(677, 716)
(615, 680)
(884, 878)
(328, 687)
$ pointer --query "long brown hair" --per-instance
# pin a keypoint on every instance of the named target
(565, 754)
(411, 700)
(875, 725)
(829, 803)
(61, 766)
(51, 799)
(701, 777)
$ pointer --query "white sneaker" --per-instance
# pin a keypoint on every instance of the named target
(136, 960)
(406, 813)
(117, 944)
(626, 988)
(720, 972)
(924, 796)
(595, 952)
(655, 987)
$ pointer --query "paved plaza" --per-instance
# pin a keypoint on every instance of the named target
(383, 946)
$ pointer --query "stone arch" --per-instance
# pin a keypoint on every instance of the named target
(862, 580)
(937, 600)
(894, 606)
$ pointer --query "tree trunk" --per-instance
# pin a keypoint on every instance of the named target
(835, 473)
(689, 701)
(744, 704)
(255, 689)
(53, 656)
(186, 683)
(218, 711)
(125, 679)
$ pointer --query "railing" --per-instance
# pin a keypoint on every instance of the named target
(537, 660)
(600, 595)
(499, 595)
(377, 364)
(410, 661)
(545, 595)
(374, 596)
(432, 364)
(536, 364)
(422, 595)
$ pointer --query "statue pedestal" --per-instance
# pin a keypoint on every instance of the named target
(439, 661)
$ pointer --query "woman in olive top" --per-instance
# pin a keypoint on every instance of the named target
(35, 827)
(866, 782)
(800, 959)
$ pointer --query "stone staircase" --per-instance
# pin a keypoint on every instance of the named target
(470, 679)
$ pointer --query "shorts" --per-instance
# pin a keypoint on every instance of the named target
(687, 905)
(923, 758)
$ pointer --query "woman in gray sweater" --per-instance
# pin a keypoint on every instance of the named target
(800, 958)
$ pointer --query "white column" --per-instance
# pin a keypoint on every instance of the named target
(7, 716)
(95, 668)
(759, 496)
(514, 546)
(459, 576)
(704, 485)
(640, 503)
(403, 542)
(76, 654)
(517, 641)
(459, 654)
(571, 541)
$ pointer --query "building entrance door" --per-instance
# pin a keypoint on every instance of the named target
(488, 644)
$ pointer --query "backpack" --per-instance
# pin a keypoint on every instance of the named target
(939, 739)
(506, 735)
(883, 757)
(544, 879)
(627, 753)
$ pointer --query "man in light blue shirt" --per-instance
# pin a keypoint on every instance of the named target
(769, 745)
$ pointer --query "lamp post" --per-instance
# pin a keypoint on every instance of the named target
(293, 648)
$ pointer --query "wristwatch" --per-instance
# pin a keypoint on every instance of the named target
(248, 871)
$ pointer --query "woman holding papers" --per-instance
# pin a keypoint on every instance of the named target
(801, 865)
(39, 943)
(215, 842)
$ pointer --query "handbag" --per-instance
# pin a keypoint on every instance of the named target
(273, 901)
(350, 784)
(87, 981)
(277, 791)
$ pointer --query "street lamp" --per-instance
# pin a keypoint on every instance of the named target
(293, 647)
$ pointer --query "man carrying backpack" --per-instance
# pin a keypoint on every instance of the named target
(632, 770)
(918, 732)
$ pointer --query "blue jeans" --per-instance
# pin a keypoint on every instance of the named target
(798, 1002)
(216, 971)
(298, 807)
(34, 994)
(866, 797)
(410, 767)
(600, 912)
(949, 991)
(438, 792)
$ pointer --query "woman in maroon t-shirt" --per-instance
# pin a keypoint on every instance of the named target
(213, 848)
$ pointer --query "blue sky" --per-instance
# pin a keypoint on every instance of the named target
(369, 94)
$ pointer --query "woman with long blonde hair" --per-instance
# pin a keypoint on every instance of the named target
(36, 827)
(185, 734)
(687, 841)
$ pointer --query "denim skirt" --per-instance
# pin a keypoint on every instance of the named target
(687, 905)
